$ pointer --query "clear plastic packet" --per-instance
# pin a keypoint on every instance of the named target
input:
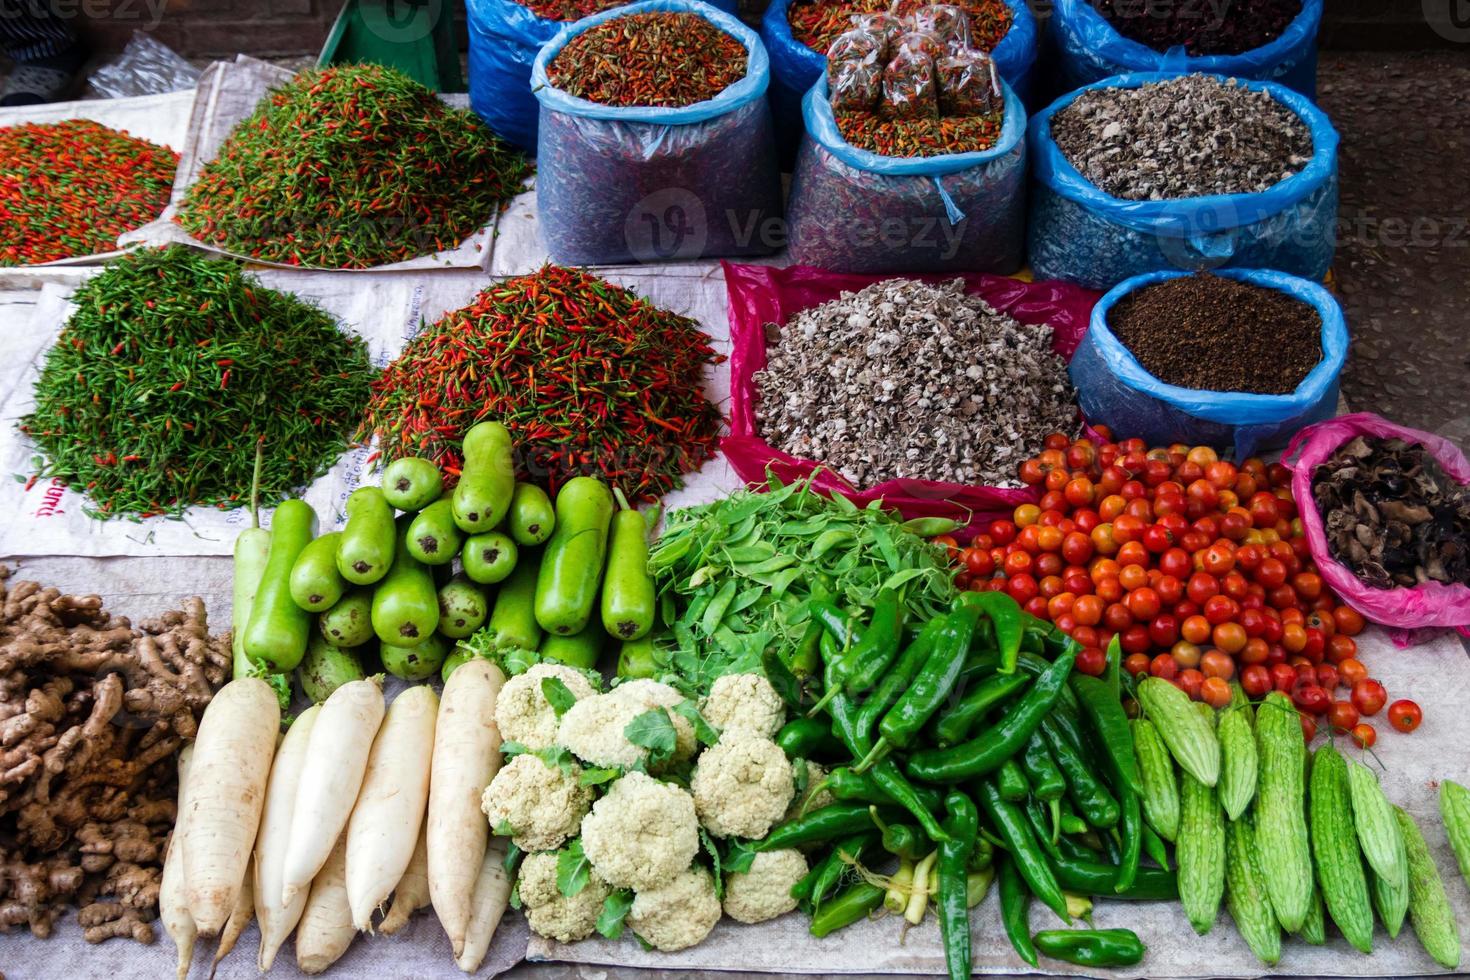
(855, 46)
(968, 83)
(145, 67)
(909, 87)
(919, 43)
(945, 21)
(856, 86)
(886, 27)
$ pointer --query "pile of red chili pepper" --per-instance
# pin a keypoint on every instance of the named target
(351, 167)
(667, 59)
(923, 137)
(70, 188)
(816, 23)
(566, 10)
(590, 378)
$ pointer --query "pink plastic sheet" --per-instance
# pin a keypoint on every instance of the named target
(1432, 604)
(761, 294)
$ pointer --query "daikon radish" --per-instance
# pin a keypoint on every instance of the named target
(491, 898)
(326, 922)
(384, 827)
(336, 760)
(227, 779)
(277, 919)
(412, 892)
(466, 758)
(239, 919)
(173, 909)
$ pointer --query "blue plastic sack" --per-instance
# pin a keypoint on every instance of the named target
(1081, 234)
(1114, 389)
(617, 185)
(855, 211)
(505, 38)
(1088, 48)
(795, 68)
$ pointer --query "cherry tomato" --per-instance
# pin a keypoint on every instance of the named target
(1264, 510)
(1104, 539)
(1328, 677)
(1248, 557)
(1021, 587)
(1217, 664)
(1117, 617)
(1369, 696)
(1235, 526)
(1316, 644)
(1003, 532)
(1136, 663)
(1283, 677)
(1055, 480)
(1088, 610)
(1221, 609)
(1349, 621)
(1163, 631)
(1057, 441)
(1311, 698)
(1185, 654)
(1219, 558)
(1405, 715)
(1032, 473)
(1132, 577)
(1294, 637)
(1365, 735)
(1190, 681)
(1342, 716)
(1133, 553)
(1308, 585)
(1077, 548)
(1221, 474)
(1091, 660)
(1271, 573)
(1110, 589)
(1256, 680)
(1255, 651)
(1143, 603)
(1163, 666)
(1050, 538)
(1215, 691)
(1134, 639)
(1036, 606)
(1079, 491)
(1049, 563)
(1309, 727)
(1195, 629)
(1340, 648)
(1229, 637)
(1017, 563)
(1202, 588)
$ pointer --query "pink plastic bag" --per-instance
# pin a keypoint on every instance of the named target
(762, 294)
(1432, 604)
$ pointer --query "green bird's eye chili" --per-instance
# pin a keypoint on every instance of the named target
(173, 368)
(1092, 947)
(665, 59)
(70, 188)
(591, 380)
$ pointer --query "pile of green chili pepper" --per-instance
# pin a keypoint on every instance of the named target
(967, 749)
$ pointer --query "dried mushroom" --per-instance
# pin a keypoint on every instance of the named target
(1393, 515)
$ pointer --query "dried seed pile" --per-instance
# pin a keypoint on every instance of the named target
(816, 23)
(667, 60)
(70, 188)
(1392, 514)
(1237, 26)
(1216, 334)
(1182, 137)
(904, 379)
(351, 167)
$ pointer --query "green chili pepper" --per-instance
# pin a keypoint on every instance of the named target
(961, 824)
(889, 779)
(1010, 822)
(843, 711)
(1036, 816)
(956, 724)
(1015, 909)
(807, 738)
(929, 688)
(1078, 870)
(1102, 708)
(898, 679)
(1005, 617)
(1041, 770)
(851, 787)
(1113, 672)
(785, 683)
(1012, 782)
(827, 823)
(902, 840)
(1154, 847)
(985, 752)
(805, 891)
(984, 854)
(1092, 947)
(837, 623)
(1093, 801)
(864, 664)
(1130, 830)
(836, 864)
(847, 908)
(806, 659)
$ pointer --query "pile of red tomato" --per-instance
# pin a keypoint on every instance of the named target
(1197, 565)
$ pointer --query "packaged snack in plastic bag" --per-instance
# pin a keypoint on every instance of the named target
(1113, 387)
(856, 86)
(945, 21)
(1432, 604)
(908, 86)
(968, 83)
(857, 211)
(1082, 234)
(759, 295)
(1088, 48)
(635, 184)
(856, 46)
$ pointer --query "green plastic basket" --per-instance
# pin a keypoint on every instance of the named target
(414, 36)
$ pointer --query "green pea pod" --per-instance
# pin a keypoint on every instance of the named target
(851, 906)
(961, 826)
(1005, 618)
(1045, 779)
(1092, 947)
(1010, 822)
(1012, 782)
(863, 666)
(956, 724)
(1110, 723)
(1092, 799)
(930, 527)
(1015, 909)
(628, 599)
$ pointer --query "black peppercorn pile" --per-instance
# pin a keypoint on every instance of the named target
(1163, 24)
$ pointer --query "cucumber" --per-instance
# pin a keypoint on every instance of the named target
(1382, 844)
(579, 650)
(405, 602)
(433, 537)
(316, 585)
(571, 567)
(366, 548)
(326, 668)
(487, 482)
(1454, 811)
(1429, 907)
(1190, 738)
(627, 587)
(1156, 774)
(278, 628)
(1200, 853)
(1335, 848)
(532, 518)
(349, 623)
(512, 623)
(1280, 810)
(462, 608)
(412, 483)
(252, 550)
(1245, 894)
(1238, 763)
(489, 558)
(416, 662)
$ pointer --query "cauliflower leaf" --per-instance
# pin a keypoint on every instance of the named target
(653, 730)
(558, 695)
(614, 911)
(573, 870)
(703, 730)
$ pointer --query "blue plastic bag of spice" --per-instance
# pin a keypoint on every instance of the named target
(617, 185)
(795, 68)
(1079, 233)
(855, 211)
(505, 37)
(1088, 48)
(1114, 389)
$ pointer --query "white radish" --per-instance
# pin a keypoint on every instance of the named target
(277, 919)
(384, 827)
(326, 923)
(173, 909)
(336, 759)
(466, 758)
(412, 892)
(232, 761)
(491, 898)
(235, 925)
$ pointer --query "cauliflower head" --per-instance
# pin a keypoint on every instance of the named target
(543, 804)
(677, 914)
(764, 891)
(744, 702)
(522, 712)
(548, 911)
(642, 833)
(742, 785)
(593, 728)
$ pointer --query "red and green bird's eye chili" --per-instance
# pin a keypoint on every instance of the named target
(567, 10)
(1092, 947)
(956, 724)
(816, 23)
(923, 136)
(962, 825)
(590, 378)
(1024, 849)
(987, 751)
(350, 167)
(1005, 619)
(851, 906)
(1087, 792)
(1015, 909)
(665, 59)
(70, 188)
